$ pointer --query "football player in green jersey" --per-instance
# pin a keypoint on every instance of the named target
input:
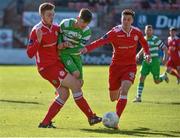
(155, 44)
(74, 35)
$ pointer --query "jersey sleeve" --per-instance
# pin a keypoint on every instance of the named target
(144, 44)
(33, 44)
(160, 43)
(106, 39)
(60, 38)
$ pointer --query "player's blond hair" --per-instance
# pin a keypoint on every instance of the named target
(45, 6)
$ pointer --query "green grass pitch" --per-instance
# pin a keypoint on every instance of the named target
(25, 97)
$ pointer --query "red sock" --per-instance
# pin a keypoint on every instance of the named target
(83, 105)
(121, 104)
(52, 112)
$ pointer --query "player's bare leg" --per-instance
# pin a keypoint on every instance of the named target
(75, 86)
(114, 94)
(76, 74)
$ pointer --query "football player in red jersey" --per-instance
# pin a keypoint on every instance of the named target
(43, 45)
(124, 39)
(173, 64)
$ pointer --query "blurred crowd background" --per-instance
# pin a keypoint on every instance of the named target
(17, 17)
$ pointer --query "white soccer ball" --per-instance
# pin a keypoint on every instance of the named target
(110, 120)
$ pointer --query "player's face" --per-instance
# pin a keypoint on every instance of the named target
(172, 33)
(149, 31)
(48, 17)
(81, 24)
(126, 20)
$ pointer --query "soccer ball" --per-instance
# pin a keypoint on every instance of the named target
(110, 120)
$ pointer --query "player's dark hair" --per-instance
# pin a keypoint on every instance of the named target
(128, 12)
(45, 6)
(172, 29)
(149, 26)
(86, 15)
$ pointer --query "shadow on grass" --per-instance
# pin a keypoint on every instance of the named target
(157, 102)
(21, 102)
(139, 132)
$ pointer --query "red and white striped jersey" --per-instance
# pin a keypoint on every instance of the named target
(46, 51)
(124, 44)
(174, 48)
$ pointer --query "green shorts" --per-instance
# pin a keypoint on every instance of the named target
(72, 63)
(153, 67)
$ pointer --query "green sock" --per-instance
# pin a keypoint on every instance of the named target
(140, 89)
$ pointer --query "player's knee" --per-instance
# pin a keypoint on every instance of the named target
(76, 85)
(113, 99)
(63, 93)
(76, 74)
(114, 95)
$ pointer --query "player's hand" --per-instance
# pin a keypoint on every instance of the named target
(148, 58)
(83, 50)
(39, 35)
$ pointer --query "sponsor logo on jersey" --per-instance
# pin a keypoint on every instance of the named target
(136, 38)
(120, 35)
(44, 33)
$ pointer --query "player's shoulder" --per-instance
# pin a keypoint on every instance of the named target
(136, 29)
(66, 22)
(87, 29)
(55, 25)
(37, 26)
(169, 38)
(155, 37)
(176, 37)
(117, 28)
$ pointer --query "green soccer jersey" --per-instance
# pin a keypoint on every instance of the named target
(154, 45)
(77, 37)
